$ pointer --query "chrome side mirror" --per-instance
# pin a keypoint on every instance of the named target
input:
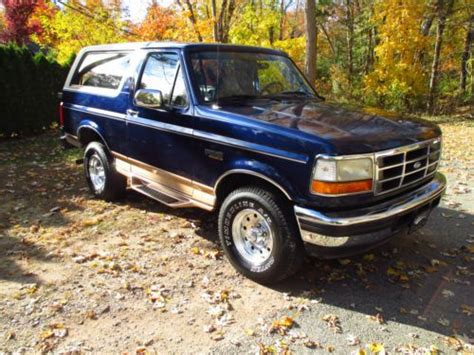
(148, 98)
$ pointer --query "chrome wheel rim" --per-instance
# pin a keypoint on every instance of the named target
(252, 236)
(96, 172)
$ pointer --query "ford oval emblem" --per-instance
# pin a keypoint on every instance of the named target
(417, 165)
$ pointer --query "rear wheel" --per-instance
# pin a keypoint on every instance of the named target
(259, 235)
(103, 180)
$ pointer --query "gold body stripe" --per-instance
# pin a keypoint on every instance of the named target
(198, 194)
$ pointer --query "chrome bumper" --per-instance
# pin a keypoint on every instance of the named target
(368, 225)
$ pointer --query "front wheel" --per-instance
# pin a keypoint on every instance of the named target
(259, 235)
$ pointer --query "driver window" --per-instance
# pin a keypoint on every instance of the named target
(159, 73)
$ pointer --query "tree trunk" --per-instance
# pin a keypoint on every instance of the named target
(311, 51)
(223, 22)
(444, 9)
(282, 18)
(191, 17)
(328, 38)
(214, 21)
(369, 60)
(350, 40)
(466, 53)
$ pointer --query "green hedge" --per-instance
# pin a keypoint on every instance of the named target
(29, 84)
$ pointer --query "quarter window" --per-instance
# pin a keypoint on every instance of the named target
(101, 70)
(179, 98)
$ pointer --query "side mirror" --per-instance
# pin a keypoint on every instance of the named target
(148, 98)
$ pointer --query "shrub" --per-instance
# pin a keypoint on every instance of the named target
(28, 90)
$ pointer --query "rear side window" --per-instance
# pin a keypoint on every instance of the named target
(101, 70)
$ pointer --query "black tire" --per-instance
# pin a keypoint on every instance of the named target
(287, 253)
(115, 184)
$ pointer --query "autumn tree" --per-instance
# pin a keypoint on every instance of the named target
(257, 23)
(43, 18)
(17, 28)
(187, 8)
(2, 21)
(80, 24)
(157, 23)
(399, 77)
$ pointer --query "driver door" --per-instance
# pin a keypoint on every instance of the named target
(160, 142)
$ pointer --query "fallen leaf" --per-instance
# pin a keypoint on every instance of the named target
(344, 261)
(333, 323)
(209, 328)
(266, 349)
(281, 325)
(468, 310)
(377, 318)
(352, 340)
(376, 348)
(311, 344)
(444, 322)
(447, 293)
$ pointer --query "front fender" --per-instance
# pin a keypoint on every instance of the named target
(260, 170)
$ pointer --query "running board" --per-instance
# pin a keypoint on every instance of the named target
(159, 193)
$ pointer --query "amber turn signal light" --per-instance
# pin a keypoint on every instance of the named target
(339, 188)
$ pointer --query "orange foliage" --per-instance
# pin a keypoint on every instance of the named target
(158, 22)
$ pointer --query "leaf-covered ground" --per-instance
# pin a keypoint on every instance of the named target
(82, 275)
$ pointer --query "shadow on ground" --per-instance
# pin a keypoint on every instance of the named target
(422, 279)
(32, 199)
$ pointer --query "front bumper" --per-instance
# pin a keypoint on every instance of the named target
(345, 233)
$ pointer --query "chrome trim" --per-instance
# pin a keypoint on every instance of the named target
(96, 111)
(376, 170)
(160, 126)
(405, 150)
(419, 197)
(250, 172)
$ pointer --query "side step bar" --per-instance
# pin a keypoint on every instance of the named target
(159, 193)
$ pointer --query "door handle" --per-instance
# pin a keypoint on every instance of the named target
(132, 112)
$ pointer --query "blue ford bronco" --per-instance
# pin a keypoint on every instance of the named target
(239, 130)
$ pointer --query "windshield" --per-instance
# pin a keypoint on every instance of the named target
(226, 75)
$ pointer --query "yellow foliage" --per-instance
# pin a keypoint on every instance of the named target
(68, 31)
(399, 70)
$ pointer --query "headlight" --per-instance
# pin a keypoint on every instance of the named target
(342, 176)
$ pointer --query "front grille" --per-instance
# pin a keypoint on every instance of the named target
(406, 165)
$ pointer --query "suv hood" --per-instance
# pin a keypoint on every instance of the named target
(350, 131)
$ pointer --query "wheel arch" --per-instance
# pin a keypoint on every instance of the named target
(87, 133)
(236, 178)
